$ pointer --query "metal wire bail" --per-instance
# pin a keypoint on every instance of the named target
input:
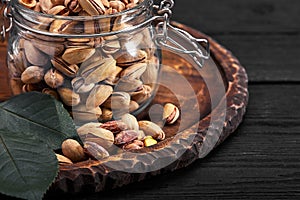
(4, 8)
(163, 39)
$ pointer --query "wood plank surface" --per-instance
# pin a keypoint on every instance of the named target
(239, 16)
(263, 34)
(260, 161)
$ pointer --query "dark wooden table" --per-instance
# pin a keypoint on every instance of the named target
(261, 160)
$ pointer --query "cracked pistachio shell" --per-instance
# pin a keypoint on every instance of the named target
(49, 48)
(68, 96)
(33, 74)
(151, 129)
(106, 115)
(59, 10)
(128, 85)
(77, 55)
(65, 68)
(126, 58)
(28, 3)
(98, 71)
(142, 94)
(98, 96)
(130, 121)
(82, 114)
(134, 71)
(103, 137)
(120, 100)
(92, 7)
(51, 92)
(171, 113)
(95, 150)
(79, 85)
(54, 78)
(34, 55)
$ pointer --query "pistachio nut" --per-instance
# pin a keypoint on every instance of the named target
(171, 113)
(134, 71)
(28, 3)
(37, 7)
(73, 150)
(106, 115)
(105, 3)
(64, 67)
(31, 87)
(130, 121)
(126, 84)
(127, 58)
(49, 48)
(51, 92)
(120, 100)
(54, 78)
(133, 106)
(98, 95)
(118, 5)
(95, 150)
(136, 144)
(151, 73)
(114, 126)
(79, 85)
(151, 129)
(114, 77)
(63, 160)
(16, 85)
(62, 26)
(77, 54)
(59, 10)
(82, 114)
(101, 136)
(45, 5)
(142, 94)
(33, 55)
(111, 46)
(68, 96)
(93, 59)
(73, 5)
(125, 137)
(57, 2)
(32, 74)
(92, 7)
(149, 141)
(98, 71)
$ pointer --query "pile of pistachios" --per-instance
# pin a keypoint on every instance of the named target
(104, 139)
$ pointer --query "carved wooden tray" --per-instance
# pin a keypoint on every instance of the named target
(212, 100)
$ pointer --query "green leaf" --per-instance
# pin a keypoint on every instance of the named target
(27, 165)
(39, 114)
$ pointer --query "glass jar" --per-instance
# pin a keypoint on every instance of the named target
(99, 67)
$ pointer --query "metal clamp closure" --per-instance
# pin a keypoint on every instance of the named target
(163, 38)
(4, 9)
